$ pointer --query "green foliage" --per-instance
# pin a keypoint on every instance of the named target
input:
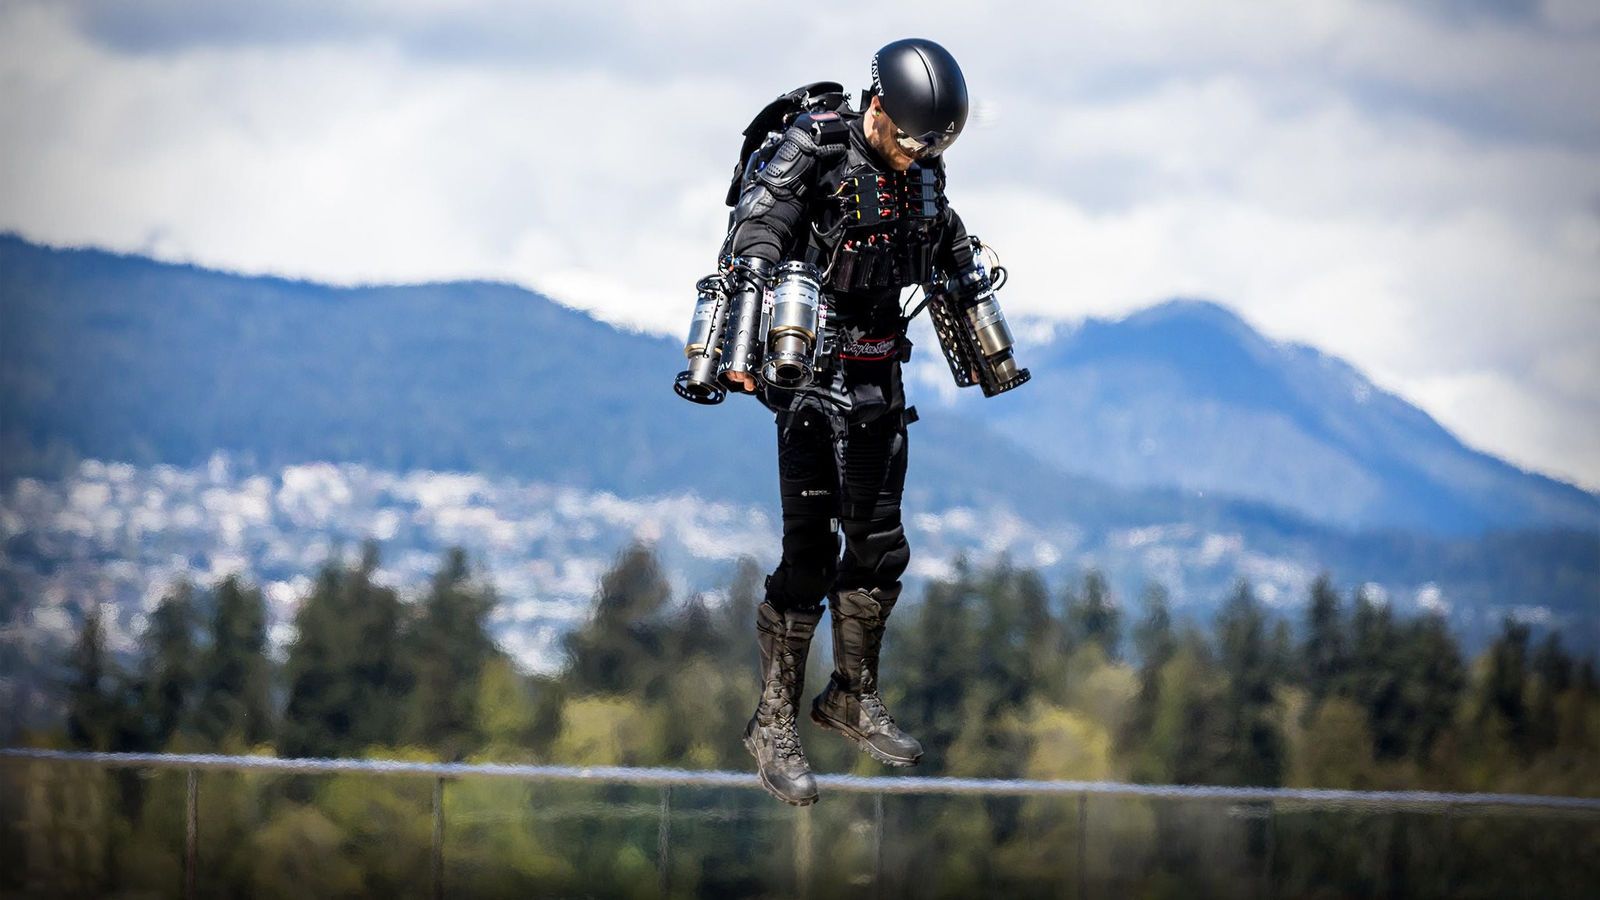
(1432, 680)
(1093, 619)
(1254, 753)
(92, 714)
(170, 668)
(297, 854)
(1188, 742)
(1155, 644)
(236, 676)
(447, 648)
(344, 673)
(994, 678)
(1325, 655)
(610, 654)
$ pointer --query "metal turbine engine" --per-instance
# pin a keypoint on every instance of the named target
(972, 330)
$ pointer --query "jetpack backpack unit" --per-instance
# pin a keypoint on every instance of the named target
(748, 316)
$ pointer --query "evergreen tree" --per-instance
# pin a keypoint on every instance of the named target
(1325, 653)
(734, 629)
(1093, 618)
(1256, 752)
(944, 628)
(1432, 686)
(1373, 677)
(1553, 675)
(1587, 680)
(619, 649)
(1552, 665)
(1003, 661)
(170, 675)
(1190, 740)
(447, 647)
(1044, 639)
(236, 676)
(1152, 637)
(344, 673)
(1282, 664)
(91, 694)
(1505, 687)
(1153, 641)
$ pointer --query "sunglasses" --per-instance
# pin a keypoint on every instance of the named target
(920, 146)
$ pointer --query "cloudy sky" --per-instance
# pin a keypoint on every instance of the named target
(1412, 186)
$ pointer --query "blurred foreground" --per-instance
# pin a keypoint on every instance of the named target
(996, 676)
(76, 828)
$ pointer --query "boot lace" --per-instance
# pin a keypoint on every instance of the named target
(779, 709)
(871, 703)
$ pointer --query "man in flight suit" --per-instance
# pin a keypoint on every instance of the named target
(862, 195)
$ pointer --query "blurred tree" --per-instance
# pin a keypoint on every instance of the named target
(1587, 680)
(299, 853)
(1189, 738)
(507, 714)
(1505, 686)
(1153, 640)
(447, 647)
(619, 649)
(345, 678)
(1325, 653)
(236, 676)
(1093, 618)
(1282, 664)
(1256, 750)
(1154, 643)
(941, 638)
(1373, 676)
(1005, 666)
(1044, 645)
(1552, 671)
(92, 707)
(734, 627)
(1431, 686)
(1336, 749)
(170, 666)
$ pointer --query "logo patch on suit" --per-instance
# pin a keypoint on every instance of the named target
(854, 344)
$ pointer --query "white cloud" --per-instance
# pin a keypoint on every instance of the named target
(1415, 188)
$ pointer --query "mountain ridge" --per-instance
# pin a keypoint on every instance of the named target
(1138, 348)
(156, 364)
(1143, 400)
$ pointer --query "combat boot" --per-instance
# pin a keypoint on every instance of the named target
(772, 736)
(850, 703)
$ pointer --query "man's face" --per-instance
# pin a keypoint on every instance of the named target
(880, 134)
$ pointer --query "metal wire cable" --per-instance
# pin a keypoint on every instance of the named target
(660, 777)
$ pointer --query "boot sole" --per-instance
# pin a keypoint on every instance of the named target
(823, 721)
(767, 786)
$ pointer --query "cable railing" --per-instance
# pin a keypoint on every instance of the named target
(1242, 802)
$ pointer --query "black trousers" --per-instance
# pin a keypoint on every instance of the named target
(841, 468)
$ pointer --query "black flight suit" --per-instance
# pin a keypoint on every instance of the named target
(830, 198)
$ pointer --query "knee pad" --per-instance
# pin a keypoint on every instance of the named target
(876, 553)
(809, 566)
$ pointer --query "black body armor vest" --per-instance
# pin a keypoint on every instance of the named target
(885, 225)
(879, 228)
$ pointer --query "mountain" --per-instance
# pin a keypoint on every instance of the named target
(123, 358)
(1186, 394)
(120, 358)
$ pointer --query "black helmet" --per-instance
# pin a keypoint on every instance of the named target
(921, 88)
